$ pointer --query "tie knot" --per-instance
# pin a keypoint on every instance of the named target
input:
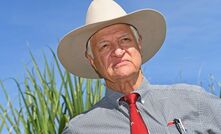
(131, 98)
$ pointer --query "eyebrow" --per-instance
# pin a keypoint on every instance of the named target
(126, 34)
(100, 42)
(103, 40)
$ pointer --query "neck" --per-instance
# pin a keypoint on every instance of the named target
(125, 85)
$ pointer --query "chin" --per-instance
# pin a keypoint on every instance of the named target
(125, 73)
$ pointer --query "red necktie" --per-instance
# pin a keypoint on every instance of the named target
(137, 124)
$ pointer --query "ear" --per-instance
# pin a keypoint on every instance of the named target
(90, 60)
(139, 42)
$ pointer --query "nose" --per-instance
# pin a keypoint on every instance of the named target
(118, 52)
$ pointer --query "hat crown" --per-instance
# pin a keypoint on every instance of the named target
(103, 10)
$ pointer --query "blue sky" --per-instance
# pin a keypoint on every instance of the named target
(191, 51)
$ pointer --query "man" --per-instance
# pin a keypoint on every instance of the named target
(115, 45)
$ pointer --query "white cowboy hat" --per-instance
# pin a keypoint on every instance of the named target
(101, 13)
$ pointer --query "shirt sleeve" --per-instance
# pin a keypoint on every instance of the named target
(210, 111)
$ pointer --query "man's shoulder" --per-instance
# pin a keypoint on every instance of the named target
(95, 110)
(180, 89)
(87, 118)
(177, 87)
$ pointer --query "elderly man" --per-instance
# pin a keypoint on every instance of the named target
(115, 45)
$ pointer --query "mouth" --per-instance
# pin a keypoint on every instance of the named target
(120, 63)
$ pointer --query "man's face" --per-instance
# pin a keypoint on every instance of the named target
(116, 53)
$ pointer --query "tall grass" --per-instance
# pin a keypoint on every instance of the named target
(47, 99)
(214, 86)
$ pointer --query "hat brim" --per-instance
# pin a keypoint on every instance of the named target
(71, 50)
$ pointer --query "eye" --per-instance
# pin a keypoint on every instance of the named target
(125, 40)
(104, 46)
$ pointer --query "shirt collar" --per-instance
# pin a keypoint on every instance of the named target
(114, 96)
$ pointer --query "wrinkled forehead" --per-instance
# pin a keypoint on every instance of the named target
(110, 30)
(122, 26)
